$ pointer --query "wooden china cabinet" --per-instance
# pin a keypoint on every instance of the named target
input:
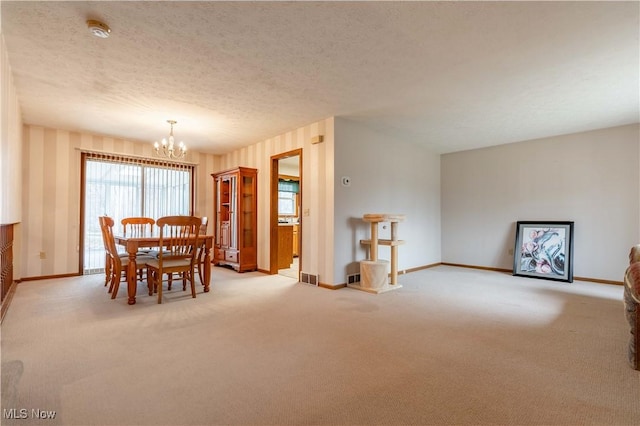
(236, 218)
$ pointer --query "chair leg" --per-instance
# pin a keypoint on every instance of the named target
(159, 287)
(200, 265)
(112, 278)
(113, 285)
(150, 278)
(193, 284)
(115, 282)
(107, 269)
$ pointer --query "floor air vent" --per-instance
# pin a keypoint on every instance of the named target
(309, 278)
(353, 278)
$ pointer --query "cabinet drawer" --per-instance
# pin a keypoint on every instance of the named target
(231, 256)
(218, 254)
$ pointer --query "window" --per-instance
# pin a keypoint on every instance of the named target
(288, 188)
(120, 187)
(287, 204)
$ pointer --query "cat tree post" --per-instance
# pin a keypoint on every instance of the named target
(373, 271)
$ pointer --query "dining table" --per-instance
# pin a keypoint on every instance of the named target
(132, 244)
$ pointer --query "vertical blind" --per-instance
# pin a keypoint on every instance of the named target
(120, 186)
(288, 186)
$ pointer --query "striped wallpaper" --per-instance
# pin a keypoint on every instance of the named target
(10, 144)
(51, 188)
(317, 192)
(51, 195)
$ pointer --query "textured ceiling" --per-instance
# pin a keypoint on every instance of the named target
(449, 75)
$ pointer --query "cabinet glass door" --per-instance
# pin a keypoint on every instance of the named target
(247, 211)
(233, 214)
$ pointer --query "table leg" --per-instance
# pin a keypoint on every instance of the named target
(207, 268)
(132, 278)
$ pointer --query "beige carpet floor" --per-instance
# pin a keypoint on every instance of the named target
(454, 346)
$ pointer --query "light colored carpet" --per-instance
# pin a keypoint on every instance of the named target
(453, 346)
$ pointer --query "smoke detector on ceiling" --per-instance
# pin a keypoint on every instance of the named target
(98, 28)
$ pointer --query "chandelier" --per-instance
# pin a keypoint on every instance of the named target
(166, 148)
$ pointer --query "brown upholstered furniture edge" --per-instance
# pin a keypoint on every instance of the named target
(632, 305)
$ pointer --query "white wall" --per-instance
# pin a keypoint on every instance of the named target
(285, 167)
(591, 178)
(388, 175)
(409, 184)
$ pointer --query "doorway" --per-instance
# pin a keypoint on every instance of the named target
(286, 214)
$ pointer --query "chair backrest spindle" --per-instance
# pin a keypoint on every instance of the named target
(137, 226)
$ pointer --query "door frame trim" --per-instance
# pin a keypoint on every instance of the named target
(273, 210)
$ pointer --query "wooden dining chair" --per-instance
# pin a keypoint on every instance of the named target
(138, 227)
(204, 221)
(107, 231)
(118, 264)
(107, 259)
(177, 252)
(199, 255)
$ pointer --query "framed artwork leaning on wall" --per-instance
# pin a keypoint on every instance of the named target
(544, 250)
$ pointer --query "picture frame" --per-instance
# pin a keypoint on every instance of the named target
(544, 250)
